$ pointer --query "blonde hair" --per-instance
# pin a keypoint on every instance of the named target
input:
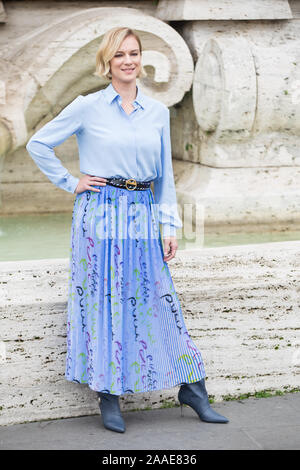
(110, 43)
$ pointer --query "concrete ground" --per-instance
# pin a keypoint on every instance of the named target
(255, 423)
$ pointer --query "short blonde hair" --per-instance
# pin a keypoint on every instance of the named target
(110, 43)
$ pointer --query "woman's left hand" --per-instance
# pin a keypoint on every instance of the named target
(170, 247)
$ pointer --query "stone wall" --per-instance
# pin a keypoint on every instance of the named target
(240, 304)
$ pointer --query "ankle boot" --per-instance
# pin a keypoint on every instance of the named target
(195, 395)
(111, 412)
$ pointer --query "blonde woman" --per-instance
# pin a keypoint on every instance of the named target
(125, 329)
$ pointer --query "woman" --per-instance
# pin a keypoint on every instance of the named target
(126, 331)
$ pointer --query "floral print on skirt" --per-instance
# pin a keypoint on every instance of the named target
(125, 328)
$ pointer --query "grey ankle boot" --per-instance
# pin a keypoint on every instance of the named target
(195, 395)
(110, 412)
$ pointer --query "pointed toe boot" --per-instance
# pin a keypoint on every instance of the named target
(110, 412)
(195, 395)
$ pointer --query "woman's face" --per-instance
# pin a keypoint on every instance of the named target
(126, 63)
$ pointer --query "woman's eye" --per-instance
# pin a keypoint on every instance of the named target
(120, 55)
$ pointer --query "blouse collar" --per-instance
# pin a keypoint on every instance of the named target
(111, 93)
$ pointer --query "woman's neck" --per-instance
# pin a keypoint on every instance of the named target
(128, 91)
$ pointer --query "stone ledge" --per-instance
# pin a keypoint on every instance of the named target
(241, 307)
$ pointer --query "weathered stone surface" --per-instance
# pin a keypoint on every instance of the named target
(241, 307)
(239, 196)
(3, 16)
(240, 122)
(295, 8)
(247, 103)
(28, 15)
(172, 10)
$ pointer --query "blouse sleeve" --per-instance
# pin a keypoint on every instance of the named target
(40, 145)
(164, 186)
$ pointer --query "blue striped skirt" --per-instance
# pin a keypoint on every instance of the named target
(125, 328)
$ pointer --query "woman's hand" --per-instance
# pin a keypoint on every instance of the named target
(170, 247)
(87, 181)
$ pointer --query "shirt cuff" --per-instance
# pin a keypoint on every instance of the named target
(168, 230)
(71, 184)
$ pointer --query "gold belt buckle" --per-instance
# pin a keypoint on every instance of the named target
(131, 181)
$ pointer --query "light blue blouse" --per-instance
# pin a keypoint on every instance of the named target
(113, 143)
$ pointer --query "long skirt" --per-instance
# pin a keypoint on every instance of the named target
(125, 328)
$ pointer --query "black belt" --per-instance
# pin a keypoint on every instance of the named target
(130, 183)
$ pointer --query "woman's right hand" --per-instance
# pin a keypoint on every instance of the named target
(87, 182)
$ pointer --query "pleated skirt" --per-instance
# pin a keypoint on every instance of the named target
(125, 328)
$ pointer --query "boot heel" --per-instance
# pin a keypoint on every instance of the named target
(195, 396)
